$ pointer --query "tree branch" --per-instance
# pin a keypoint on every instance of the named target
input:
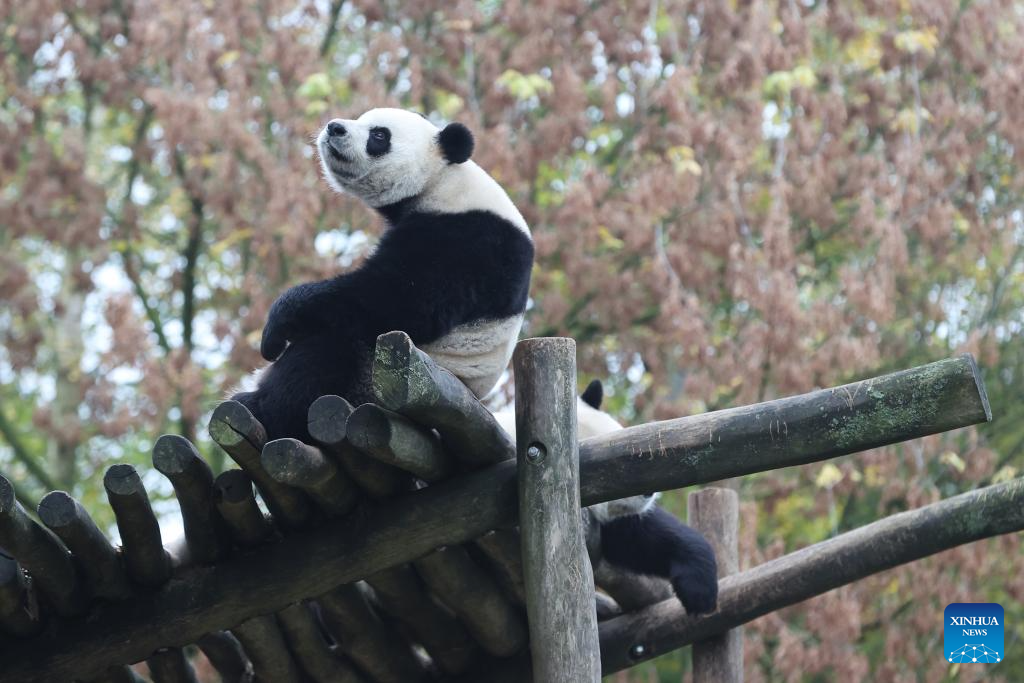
(21, 453)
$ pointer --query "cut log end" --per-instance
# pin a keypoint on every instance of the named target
(173, 454)
(232, 423)
(123, 480)
(393, 359)
(980, 384)
(327, 419)
(283, 460)
(232, 486)
(368, 427)
(57, 509)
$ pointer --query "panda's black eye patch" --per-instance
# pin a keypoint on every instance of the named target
(379, 142)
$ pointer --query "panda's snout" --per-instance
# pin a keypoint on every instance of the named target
(336, 129)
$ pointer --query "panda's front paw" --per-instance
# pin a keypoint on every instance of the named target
(273, 342)
(292, 313)
(696, 589)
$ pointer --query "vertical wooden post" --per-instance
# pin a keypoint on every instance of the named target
(557, 572)
(715, 512)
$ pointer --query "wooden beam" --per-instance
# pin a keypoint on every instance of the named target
(204, 599)
(556, 568)
(715, 512)
(789, 431)
(145, 559)
(816, 569)
(407, 381)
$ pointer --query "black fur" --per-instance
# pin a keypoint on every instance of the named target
(456, 143)
(658, 544)
(593, 394)
(429, 274)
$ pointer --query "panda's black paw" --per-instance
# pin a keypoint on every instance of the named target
(273, 343)
(696, 588)
(287, 319)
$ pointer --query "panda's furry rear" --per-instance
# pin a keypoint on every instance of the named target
(452, 270)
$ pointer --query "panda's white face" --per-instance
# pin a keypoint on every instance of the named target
(382, 157)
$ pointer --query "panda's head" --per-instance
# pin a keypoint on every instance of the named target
(387, 155)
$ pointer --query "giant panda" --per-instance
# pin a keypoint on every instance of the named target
(452, 270)
(636, 534)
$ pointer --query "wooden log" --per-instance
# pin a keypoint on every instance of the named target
(450, 512)
(790, 431)
(321, 663)
(263, 642)
(233, 496)
(378, 650)
(227, 657)
(556, 568)
(289, 461)
(19, 609)
(404, 597)
(205, 532)
(715, 512)
(396, 440)
(97, 559)
(816, 569)
(242, 437)
(119, 674)
(501, 547)
(407, 381)
(328, 426)
(42, 554)
(169, 665)
(145, 559)
(475, 598)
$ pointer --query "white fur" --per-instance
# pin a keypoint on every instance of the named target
(414, 166)
(478, 352)
(591, 422)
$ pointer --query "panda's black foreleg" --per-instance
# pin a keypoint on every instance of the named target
(658, 544)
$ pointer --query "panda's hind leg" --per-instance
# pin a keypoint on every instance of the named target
(658, 544)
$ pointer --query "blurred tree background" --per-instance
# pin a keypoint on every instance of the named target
(732, 201)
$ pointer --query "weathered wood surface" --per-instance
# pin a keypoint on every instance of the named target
(227, 657)
(403, 596)
(556, 567)
(233, 495)
(263, 642)
(242, 437)
(209, 598)
(396, 440)
(289, 461)
(715, 512)
(407, 381)
(169, 665)
(328, 425)
(475, 598)
(501, 547)
(790, 431)
(370, 642)
(205, 533)
(145, 559)
(39, 551)
(818, 568)
(96, 558)
(321, 663)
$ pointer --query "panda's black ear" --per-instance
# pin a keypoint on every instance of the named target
(593, 394)
(456, 143)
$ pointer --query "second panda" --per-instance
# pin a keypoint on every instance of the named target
(636, 534)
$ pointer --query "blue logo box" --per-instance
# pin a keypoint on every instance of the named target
(973, 633)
